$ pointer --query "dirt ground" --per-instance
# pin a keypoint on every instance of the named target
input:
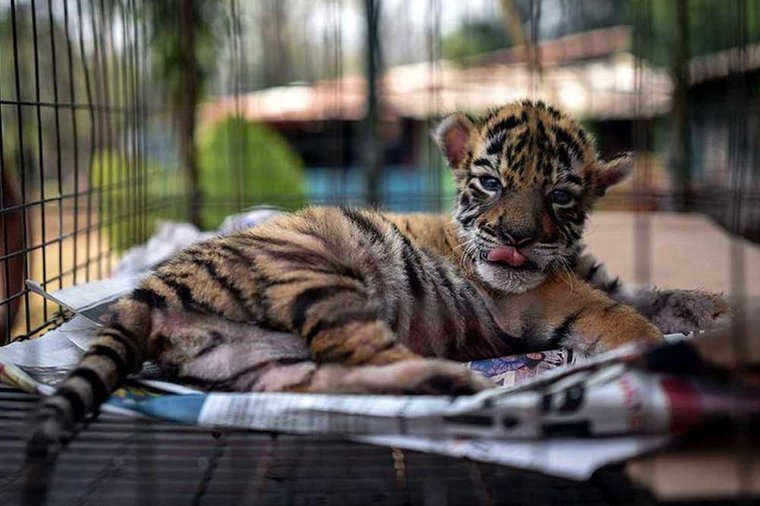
(686, 251)
(59, 255)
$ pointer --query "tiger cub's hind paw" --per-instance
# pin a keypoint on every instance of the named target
(417, 377)
(687, 310)
(441, 377)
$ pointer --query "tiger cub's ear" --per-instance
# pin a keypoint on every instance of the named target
(453, 135)
(612, 172)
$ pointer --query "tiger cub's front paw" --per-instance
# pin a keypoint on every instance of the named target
(613, 326)
(687, 310)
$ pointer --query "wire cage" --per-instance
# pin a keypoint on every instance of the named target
(117, 114)
(76, 152)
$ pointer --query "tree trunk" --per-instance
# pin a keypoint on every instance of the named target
(372, 146)
(510, 18)
(681, 137)
(11, 232)
(187, 113)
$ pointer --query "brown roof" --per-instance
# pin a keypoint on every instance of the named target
(721, 64)
(573, 47)
(324, 100)
(584, 74)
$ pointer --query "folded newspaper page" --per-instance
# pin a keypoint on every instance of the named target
(453, 427)
(567, 421)
(548, 406)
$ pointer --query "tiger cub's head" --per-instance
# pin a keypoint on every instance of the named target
(527, 176)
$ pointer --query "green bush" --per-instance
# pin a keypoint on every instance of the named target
(240, 163)
(243, 164)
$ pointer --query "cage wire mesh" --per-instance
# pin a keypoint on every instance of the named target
(117, 114)
(79, 172)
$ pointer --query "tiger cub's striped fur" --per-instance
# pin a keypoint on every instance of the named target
(340, 300)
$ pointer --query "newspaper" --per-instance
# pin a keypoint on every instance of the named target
(568, 421)
(551, 411)
(440, 425)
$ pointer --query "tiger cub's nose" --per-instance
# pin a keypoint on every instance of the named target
(518, 238)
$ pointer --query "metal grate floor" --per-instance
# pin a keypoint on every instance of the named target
(118, 462)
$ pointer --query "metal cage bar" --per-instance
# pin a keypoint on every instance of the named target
(74, 121)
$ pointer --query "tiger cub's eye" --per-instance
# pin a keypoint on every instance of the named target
(561, 197)
(490, 183)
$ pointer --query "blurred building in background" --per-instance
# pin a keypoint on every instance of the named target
(585, 60)
(588, 74)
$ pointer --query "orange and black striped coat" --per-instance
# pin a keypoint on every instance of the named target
(331, 299)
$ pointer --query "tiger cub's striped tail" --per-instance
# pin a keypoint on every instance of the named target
(119, 350)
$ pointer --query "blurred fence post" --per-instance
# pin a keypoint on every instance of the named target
(372, 154)
(14, 266)
(681, 137)
(188, 101)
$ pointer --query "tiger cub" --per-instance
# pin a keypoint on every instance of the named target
(332, 299)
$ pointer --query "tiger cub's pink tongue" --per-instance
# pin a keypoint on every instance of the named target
(508, 255)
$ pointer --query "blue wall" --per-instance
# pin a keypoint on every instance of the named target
(402, 189)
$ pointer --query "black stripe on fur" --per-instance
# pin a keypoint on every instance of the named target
(412, 264)
(223, 281)
(129, 359)
(74, 400)
(562, 333)
(186, 298)
(364, 224)
(99, 388)
(122, 368)
(147, 296)
(591, 272)
(306, 299)
(361, 315)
